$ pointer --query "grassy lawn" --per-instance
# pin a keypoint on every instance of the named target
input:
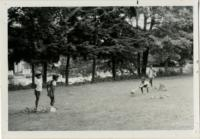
(107, 106)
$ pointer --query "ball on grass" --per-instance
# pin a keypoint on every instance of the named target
(132, 92)
(53, 109)
(152, 97)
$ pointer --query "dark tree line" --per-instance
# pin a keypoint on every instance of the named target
(41, 35)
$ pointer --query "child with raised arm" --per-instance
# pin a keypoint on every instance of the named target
(151, 75)
(51, 90)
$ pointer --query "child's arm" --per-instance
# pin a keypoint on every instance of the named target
(53, 85)
(149, 73)
(154, 73)
(141, 85)
(35, 84)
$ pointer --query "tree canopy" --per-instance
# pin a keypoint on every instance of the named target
(122, 36)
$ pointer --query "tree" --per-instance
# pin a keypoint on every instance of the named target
(158, 21)
(19, 42)
(37, 31)
(114, 27)
(67, 22)
(112, 34)
(173, 36)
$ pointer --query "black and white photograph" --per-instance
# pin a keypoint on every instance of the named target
(123, 69)
(100, 68)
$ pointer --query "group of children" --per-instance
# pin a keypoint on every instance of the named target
(52, 84)
(50, 90)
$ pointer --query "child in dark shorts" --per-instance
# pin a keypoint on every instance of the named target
(51, 90)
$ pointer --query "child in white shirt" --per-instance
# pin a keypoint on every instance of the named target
(38, 88)
(151, 75)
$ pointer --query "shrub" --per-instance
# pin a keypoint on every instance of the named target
(169, 72)
(28, 76)
(10, 76)
(12, 87)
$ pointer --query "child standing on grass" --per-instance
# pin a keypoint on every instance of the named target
(38, 88)
(51, 90)
(151, 75)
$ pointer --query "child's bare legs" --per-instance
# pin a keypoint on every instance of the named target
(37, 96)
(144, 87)
(151, 81)
(52, 101)
(141, 89)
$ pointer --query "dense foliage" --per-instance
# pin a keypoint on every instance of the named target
(113, 38)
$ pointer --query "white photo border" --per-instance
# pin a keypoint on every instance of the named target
(6, 4)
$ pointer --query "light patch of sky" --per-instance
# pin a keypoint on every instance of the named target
(15, 24)
(140, 21)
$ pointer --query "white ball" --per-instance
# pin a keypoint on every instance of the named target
(132, 91)
(53, 109)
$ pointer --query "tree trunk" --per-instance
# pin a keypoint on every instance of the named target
(181, 70)
(145, 61)
(114, 68)
(166, 67)
(145, 23)
(67, 70)
(146, 52)
(97, 44)
(138, 64)
(137, 21)
(13, 68)
(45, 72)
(93, 69)
(33, 73)
(152, 23)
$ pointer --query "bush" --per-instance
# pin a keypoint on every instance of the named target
(28, 76)
(12, 87)
(160, 73)
(10, 76)
(169, 72)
